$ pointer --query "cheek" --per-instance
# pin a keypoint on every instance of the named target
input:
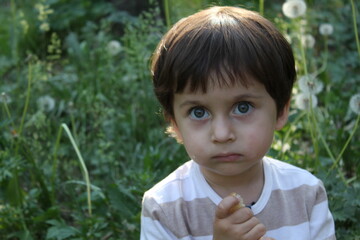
(258, 140)
(194, 143)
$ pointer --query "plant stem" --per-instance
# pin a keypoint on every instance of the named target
(287, 133)
(346, 143)
(326, 55)
(167, 13)
(261, 7)
(355, 26)
(27, 100)
(83, 167)
(7, 111)
(310, 114)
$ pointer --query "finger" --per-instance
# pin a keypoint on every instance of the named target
(222, 210)
(257, 232)
(242, 215)
(238, 206)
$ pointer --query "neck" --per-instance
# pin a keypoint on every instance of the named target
(248, 184)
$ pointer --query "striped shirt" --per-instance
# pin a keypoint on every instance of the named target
(293, 205)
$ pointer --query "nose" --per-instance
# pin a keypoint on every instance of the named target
(222, 130)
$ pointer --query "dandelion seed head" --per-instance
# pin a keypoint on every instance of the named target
(294, 8)
(303, 100)
(5, 98)
(355, 103)
(308, 41)
(308, 84)
(326, 29)
(46, 103)
(113, 47)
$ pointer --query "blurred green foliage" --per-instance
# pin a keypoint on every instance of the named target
(85, 64)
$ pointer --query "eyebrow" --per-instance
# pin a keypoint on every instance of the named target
(236, 98)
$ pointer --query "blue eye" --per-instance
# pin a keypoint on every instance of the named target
(243, 108)
(198, 113)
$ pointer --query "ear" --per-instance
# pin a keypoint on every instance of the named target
(174, 131)
(283, 117)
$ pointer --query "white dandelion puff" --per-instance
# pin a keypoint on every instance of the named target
(46, 103)
(326, 29)
(304, 101)
(355, 103)
(308, 41)
(113, 47)
(294, 8)
(5, 98)
(308, 84)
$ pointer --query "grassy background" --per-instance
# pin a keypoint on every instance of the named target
(87, 182)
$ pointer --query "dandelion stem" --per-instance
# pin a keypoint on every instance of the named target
(6, 107)
(311, 114)
(261, 7)
(167, 13)
(27, 99)
(287, 134)
(355, 26)
(326, 55)
(346, 143)
(83, 167)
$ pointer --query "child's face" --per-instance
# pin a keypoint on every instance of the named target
(227, 130)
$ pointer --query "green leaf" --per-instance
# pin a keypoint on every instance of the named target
(60, 231)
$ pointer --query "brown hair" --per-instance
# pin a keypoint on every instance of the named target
(230, 42)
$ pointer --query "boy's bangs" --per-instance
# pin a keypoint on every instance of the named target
(216, 58)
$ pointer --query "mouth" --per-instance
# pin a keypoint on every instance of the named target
(228, 157)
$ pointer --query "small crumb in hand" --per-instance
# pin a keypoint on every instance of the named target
(239, 205)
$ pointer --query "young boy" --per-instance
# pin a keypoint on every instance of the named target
(224, 78)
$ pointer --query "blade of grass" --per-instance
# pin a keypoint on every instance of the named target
(83, 166)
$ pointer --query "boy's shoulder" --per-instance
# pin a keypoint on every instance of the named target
(283, 171)
(172, 182)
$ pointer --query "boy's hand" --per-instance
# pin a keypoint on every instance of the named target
(236, 222)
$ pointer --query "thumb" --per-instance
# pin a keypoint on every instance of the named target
(223, 209)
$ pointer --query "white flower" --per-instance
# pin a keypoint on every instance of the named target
(326, 29)
(46, 103)
(303, 100)
(113, 47)
(308, 41)
(310, 85)
(294, 8)
(355, 103)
